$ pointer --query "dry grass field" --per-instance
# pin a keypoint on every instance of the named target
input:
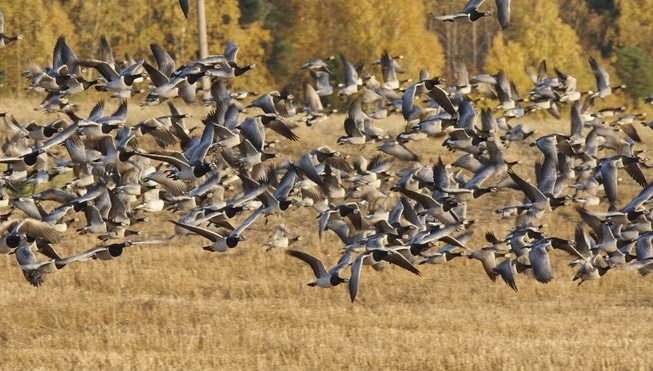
(176, 306)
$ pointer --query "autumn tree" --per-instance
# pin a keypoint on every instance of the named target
(468, 42)
(40, 27)
(360, 30)
(588, 22)
(635, 69)
(536, 33)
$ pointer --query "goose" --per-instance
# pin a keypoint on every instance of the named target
(220, 242)
(507, 270)
(15, 231)
(4, 39)
(608, 169)
(318, 65)
(231, 69)
(323, 86)
(34, 270)
(323, 278)
(315, 112)
(374, 256)
(228, 70)
(349, 210)
(389, 74)
(119, 83)
(76, 85)
(592, 265)
(280, 239)
(539, 256)
(159, 128)
(461, 75)
(351, 77)
(166, 87)
(567, 86)
(434, 92)
(95, 223)
(539, 203)
(397, 150)
(602, 77)
(31, 158)
(487, 259)
(273, 102)
(504, 93)
(119, 232)
(447, 252)
(463, 140)
(469, 13)
(65, 64)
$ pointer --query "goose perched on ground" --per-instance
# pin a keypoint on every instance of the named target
(323, 278)
(4, 39)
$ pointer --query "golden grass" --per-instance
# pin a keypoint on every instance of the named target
(176, 306)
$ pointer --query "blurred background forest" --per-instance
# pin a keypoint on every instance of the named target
(280, 35)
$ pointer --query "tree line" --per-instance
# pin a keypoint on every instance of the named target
(280, 35)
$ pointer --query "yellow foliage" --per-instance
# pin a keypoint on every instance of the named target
(536, 33)
(634, 24)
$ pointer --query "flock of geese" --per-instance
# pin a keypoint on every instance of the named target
(387, 209)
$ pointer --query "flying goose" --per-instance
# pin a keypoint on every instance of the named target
(351, 76)
(121, 82)
(323, 278)
(373, 256)
(4, 39)
(469, 13)
(592, 265)
(318, 65)
(447, 252)
(539, 256)
(280, 239)
(538, 202)
(221, 242)
(603, 88)
(34, 270)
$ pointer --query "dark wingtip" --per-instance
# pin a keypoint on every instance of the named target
(185, 6)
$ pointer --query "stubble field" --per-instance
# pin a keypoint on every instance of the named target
(175, 306)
